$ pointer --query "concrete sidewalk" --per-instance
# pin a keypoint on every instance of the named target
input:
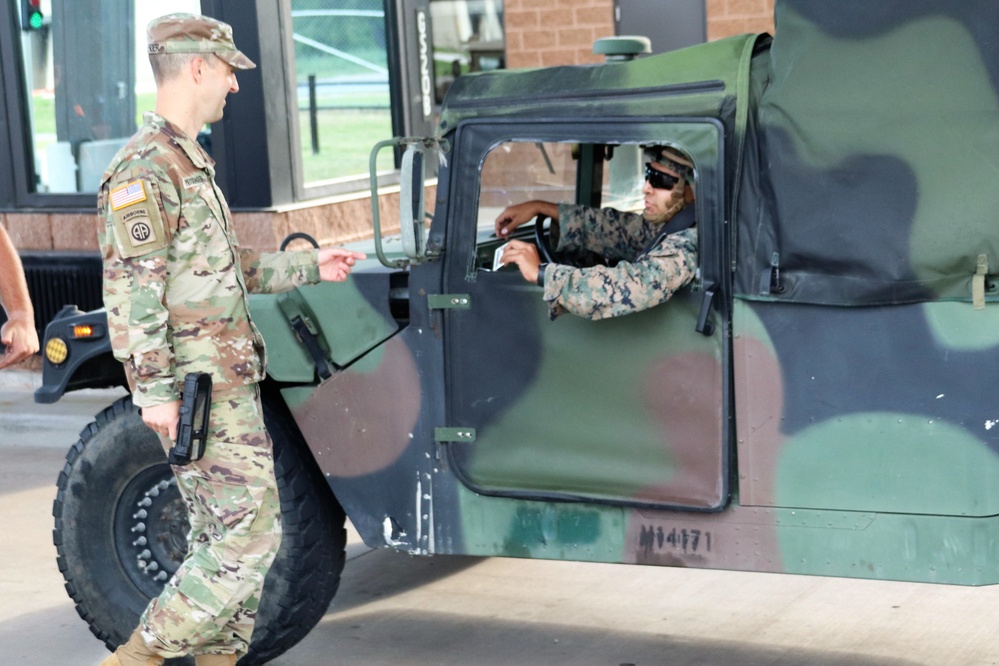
(23, 421)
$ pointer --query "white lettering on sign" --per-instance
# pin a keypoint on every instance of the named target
(425, 87)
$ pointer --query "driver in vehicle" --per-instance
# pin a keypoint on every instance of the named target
(651, 255)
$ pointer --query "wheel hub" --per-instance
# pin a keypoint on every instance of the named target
(161, 525)
(152, 529)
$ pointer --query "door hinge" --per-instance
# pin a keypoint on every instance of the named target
(449, 301)
(770, 282)
(978, 282)
(446, 435)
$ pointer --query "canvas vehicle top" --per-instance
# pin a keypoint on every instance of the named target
(819, 399)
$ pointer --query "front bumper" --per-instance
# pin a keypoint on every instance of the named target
(76, 354)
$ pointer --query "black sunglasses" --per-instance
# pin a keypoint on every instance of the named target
(659, 179)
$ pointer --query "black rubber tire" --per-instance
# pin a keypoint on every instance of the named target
(116, 477)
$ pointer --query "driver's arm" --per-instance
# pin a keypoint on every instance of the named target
(613, 234)
(517, 214)
(630, 286)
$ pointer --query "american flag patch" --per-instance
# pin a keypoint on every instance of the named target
(127, 194)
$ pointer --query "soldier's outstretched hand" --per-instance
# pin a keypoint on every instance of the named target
(335, 263)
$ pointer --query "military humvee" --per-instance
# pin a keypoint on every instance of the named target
(819, 401)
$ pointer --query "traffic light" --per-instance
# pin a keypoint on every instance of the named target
(31, 15)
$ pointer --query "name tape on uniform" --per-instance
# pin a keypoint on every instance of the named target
(194, 181)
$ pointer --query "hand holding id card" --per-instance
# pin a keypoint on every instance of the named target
(498, 257)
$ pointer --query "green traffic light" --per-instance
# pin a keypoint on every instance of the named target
(35, 20)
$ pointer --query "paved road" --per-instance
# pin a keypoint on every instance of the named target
(393, 609)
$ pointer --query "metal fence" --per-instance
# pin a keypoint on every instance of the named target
(340, 45)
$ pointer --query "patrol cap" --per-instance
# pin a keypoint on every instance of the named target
(672, 158)
(190, 33)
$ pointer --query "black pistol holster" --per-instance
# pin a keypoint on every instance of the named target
(192, 428)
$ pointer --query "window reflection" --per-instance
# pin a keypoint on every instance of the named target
(88, 82)
(468, 37)
(341, 70)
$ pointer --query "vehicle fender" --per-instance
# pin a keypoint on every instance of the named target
(80, 339)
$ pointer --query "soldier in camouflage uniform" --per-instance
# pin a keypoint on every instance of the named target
(653, 254)
(175, 289)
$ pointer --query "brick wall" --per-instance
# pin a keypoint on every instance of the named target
(542, 33)
(734, 17)
(344, 220)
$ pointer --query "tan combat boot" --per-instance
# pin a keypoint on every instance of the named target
(215, 660)
(134, 653)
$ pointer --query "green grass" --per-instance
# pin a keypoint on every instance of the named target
(346, 136)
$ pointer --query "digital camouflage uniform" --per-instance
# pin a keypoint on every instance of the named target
(651, 266)
(175, 289)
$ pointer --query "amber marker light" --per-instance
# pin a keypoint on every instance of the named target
(56, 351)
(83, 331)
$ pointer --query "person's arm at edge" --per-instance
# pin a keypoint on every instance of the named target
(18, 332)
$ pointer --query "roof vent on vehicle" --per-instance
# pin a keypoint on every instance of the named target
(617, 49)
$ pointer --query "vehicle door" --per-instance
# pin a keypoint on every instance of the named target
(631, 410)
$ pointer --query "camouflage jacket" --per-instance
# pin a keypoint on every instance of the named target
(175, 280)
(640, 277)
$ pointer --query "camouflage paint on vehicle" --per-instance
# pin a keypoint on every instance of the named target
(862, 442)
(363, 301)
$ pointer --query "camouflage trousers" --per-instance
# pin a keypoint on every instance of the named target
(210, 604)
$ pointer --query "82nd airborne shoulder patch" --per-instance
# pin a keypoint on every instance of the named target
(137, 221)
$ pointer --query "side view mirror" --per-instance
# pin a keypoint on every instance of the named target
(412, 202)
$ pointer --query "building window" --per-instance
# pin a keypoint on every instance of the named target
(358, 77)
(342, 82)
(88, 82)
(468, 37)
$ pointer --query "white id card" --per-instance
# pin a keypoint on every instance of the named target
(498, 257)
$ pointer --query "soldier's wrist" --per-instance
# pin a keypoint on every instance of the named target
(20, 315)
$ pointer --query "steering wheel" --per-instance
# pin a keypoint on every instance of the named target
(296, 236)
(543, 239)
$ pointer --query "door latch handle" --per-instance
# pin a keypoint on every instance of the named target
(705, 327)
